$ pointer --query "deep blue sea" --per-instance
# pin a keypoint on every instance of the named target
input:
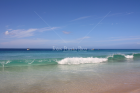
(67, 71)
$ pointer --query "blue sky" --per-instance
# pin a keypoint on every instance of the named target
(99, 24)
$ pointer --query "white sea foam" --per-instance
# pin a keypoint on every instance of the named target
(126, 56)
(29, 61)
(5, 62)
(40, 60)
(80, 60)
(129, 56)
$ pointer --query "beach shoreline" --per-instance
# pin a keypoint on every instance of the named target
(104, 71)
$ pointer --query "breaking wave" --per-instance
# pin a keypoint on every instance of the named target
(72, 60)
(81, 60)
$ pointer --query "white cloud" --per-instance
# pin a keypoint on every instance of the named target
(81, 18)
(19, 33)
(47, 29)
(65, 32)
(6, 32)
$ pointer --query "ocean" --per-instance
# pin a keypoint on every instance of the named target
(69, 71)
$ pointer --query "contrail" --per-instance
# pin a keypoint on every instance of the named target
(94, 27)
(50, 27)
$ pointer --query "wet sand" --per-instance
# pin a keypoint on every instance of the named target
(103, 78)
(135, 91)
(71, 86)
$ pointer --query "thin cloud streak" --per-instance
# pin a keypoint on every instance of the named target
(80, 18)
(86, 37)
(120, 14)
(20, 33)
(94, 27)
(118, 39)
(31, 42)
(24, 41)
(65, 32)
(49, 26)
(129, 13)
(117, 14)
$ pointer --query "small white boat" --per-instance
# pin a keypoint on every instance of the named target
(28, 49)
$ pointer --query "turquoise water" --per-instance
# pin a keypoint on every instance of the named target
(67, 71)
(22, 57)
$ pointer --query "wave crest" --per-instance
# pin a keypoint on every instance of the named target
(80, 60)
(129, 56)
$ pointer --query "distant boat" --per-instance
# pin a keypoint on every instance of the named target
(93, 49)
(28, 49)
